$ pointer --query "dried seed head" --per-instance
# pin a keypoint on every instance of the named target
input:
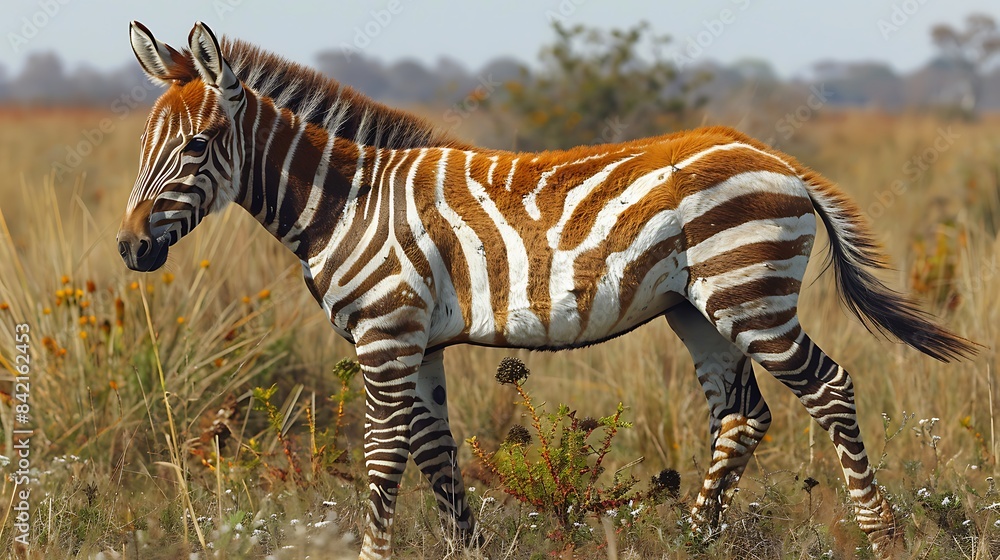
(669, 480)
(518, 435)
(589, 424)
(511, 371)
(809, 483)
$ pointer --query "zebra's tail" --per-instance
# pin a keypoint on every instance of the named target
(854, 254)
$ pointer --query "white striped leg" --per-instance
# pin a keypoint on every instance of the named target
(389, 362)
(827, 392)
(739, 417)
(433, 447)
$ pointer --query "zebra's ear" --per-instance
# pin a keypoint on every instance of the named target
(162, 63)
(211, 65)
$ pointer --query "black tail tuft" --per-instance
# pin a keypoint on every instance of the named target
(854, 253)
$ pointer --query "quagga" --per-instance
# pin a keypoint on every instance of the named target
(412, 241)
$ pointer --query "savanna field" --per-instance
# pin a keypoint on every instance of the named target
(205, 406)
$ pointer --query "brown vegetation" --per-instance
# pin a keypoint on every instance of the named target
(121, 446)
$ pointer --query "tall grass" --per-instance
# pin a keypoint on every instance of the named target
(133, 374)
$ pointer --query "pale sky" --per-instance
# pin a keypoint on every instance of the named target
(791, 34)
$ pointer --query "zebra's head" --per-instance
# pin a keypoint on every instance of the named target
(188, 164)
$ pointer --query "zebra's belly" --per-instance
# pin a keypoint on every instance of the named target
(607, 314)
(625, 290)
(636, 316)
(588, 329)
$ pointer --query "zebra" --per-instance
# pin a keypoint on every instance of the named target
(412, 241)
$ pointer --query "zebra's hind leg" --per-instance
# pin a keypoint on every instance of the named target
(434, 449)
(739, 417)
(827, 392)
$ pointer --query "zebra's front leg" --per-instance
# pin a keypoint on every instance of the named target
(407, 414)
(390, 359)
(434, 449)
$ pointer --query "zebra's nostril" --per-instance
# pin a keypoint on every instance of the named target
(143, 247)
(123, 249)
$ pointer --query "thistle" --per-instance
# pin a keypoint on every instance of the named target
(512, 371)
(518, 435)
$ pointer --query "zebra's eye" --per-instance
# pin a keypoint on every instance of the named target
(196, 145)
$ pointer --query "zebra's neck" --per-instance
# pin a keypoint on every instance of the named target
(295, 177)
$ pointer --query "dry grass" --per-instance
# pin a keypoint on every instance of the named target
(108, 453)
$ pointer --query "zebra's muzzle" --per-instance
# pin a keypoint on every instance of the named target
(143, 253)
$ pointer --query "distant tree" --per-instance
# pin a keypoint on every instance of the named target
(595, 87)
(411, 82)
(970, 49)
(42, 80)
(365, 74)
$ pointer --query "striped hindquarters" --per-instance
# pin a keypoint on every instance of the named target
(749, 227)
